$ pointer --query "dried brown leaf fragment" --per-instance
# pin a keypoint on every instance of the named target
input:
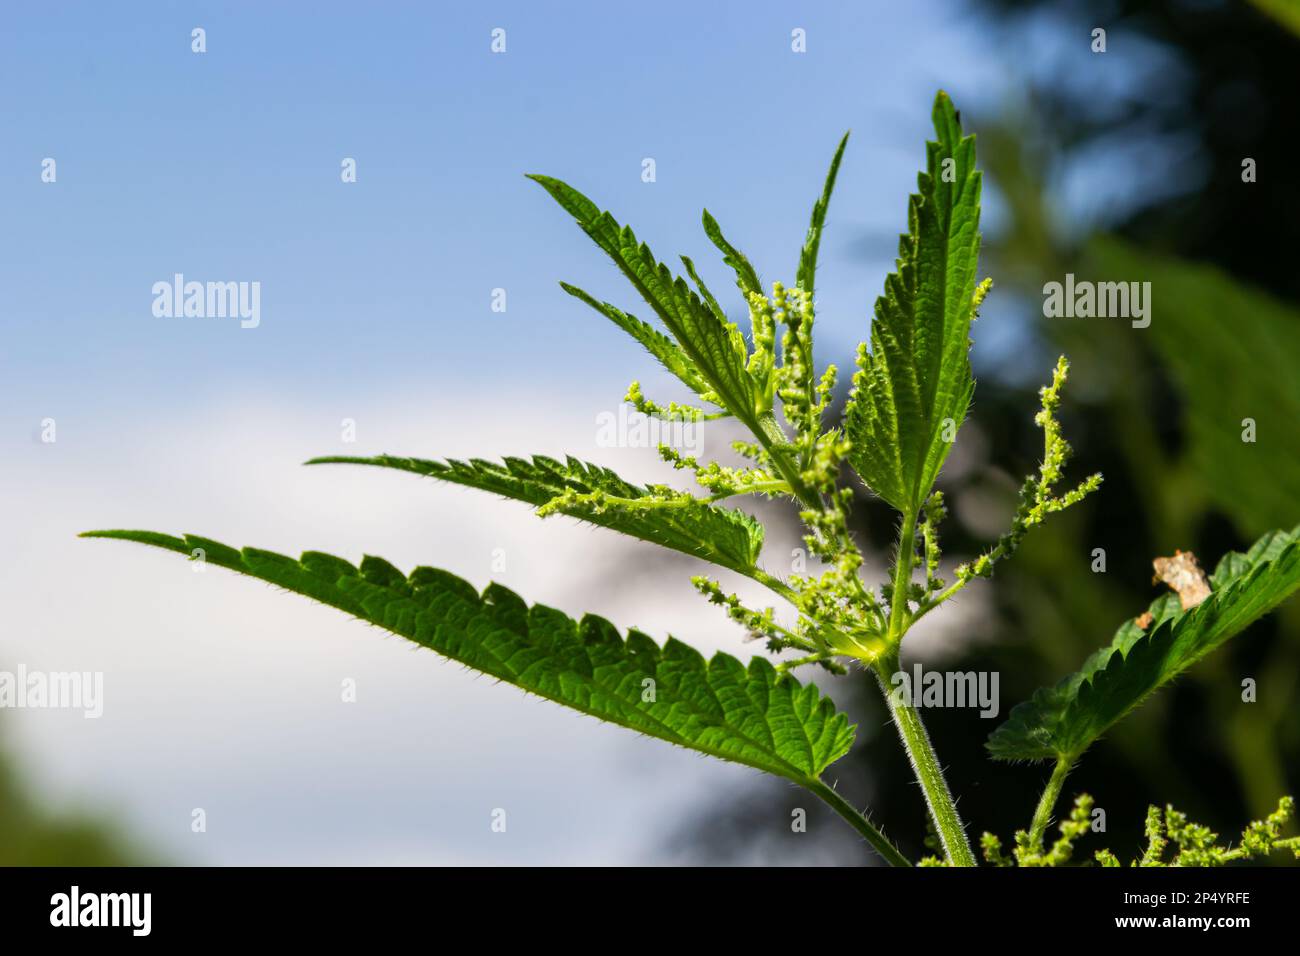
(1183, 574)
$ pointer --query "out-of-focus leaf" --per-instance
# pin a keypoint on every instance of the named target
(1232, 350)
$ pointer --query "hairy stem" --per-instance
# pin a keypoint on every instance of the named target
(933, 602)
(779, 486)
(859, 822)
(774, 442)
(774, 584)
(1047, 802)
(777, 586)
(926, 764)
(902, 578)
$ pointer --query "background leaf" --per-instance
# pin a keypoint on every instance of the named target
(1063, 721)
(1286, 12)
(1232, 349)
(719, 707)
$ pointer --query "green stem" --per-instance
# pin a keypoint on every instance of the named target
(785, 667)
(902, 578)
(926, 764)
(773, 439)
(777, 586)
(774, 487)
(933, 602)
(859, 822)
(774, 584)
(1047, 802)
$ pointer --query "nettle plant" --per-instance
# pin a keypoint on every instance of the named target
(910, 395)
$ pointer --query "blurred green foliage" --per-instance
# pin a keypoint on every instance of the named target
(1231, 349)
(32, 835)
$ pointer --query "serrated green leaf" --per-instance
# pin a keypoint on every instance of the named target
(716, 347)
(1063, 721)
(752, 716)
(709, 299)
(668, 352)
(812, 243)
(724, 536)
(747, 280)
(913, 388)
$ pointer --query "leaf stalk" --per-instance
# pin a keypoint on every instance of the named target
(858, 821)
(1047, 802)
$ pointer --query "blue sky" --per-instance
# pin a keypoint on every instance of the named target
(225, 166)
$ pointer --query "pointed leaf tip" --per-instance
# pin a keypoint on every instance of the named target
(914, 386)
